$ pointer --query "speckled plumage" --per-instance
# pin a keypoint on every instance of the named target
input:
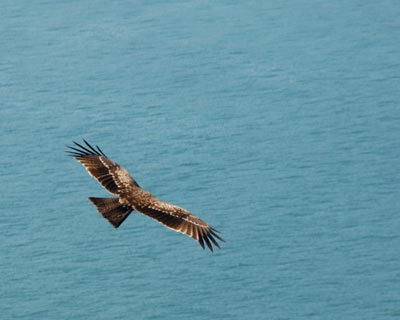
(132, 197)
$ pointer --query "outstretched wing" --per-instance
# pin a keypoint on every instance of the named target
(180, 220)
(112, 176)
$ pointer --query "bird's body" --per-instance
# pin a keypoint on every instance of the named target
(131, 197)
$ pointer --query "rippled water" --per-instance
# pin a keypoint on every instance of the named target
(276, 122)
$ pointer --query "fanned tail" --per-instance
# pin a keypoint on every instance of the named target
(112, 210)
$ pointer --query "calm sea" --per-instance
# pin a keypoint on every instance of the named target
(278, 122)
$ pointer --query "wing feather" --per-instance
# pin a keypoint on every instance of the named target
(108, 173)
(180, 220)
(195, 234)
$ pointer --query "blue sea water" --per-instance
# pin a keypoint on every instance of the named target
(278, 122)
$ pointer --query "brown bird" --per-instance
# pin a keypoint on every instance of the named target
(131, 197)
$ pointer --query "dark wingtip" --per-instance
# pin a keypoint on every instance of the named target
(72, 152)
(201, 242)
(80, 150)
(214, 241)
(83, 149)
(214, 233)
(207, 236)
(101, 151)
(213, 229)
(208, 243)
(91, 148)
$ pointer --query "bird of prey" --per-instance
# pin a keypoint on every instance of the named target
(130, 197)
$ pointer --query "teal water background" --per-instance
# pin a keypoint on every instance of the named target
(278, 122)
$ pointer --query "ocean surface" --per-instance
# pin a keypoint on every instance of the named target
(277, 122)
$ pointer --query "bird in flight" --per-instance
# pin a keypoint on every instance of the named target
(131, 197)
